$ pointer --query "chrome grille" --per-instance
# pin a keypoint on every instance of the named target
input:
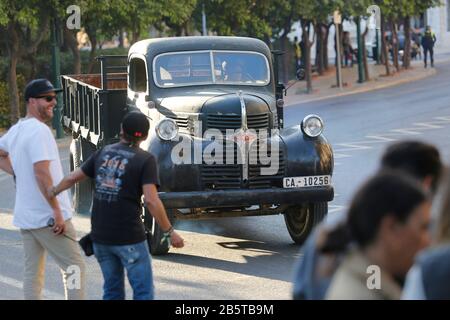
(258, 121)
(182, 122)
(223, 122)
(229, 176)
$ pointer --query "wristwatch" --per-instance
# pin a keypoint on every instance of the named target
(166, 235)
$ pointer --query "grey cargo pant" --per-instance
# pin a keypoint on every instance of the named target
(66, 253)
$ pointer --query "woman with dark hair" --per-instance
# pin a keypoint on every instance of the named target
(430, 276)
(387, 224)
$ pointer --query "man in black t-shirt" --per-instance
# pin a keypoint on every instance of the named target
(122, 173)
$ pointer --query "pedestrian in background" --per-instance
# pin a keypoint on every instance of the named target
(429, 278)
(297, 53)
(313, 273)
(387, 224)
(31, 151)
(428, 41)
(348, 49)
(122, 173)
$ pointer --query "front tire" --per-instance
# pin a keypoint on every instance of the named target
(155, 233)
(81, 191)
(301, 220)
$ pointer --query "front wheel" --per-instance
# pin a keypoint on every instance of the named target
(155, 233)
(81, 191)
(301, 220)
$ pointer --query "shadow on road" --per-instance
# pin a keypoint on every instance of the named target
(272, 262)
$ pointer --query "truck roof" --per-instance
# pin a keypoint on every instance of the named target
(153, 47)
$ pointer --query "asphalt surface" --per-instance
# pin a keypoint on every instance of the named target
(253, 257)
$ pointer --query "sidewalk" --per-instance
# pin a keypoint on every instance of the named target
(324, 87)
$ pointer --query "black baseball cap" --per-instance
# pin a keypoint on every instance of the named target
(38, 87)
(135, 124)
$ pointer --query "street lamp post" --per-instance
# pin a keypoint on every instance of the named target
(360, 66)
(337, 21)
(204, 30)
(55, 78)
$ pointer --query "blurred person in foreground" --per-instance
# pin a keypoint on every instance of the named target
(313, 273)
(429, 278)
(387, 224)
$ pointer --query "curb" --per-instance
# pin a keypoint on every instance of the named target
(367, 89)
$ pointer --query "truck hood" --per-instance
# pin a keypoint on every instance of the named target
(223, 101)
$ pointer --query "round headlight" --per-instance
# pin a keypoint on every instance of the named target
(167, 129)
(312, 125)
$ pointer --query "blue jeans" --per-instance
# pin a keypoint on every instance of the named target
(135, 259)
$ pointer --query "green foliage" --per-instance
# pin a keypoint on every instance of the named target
(5, 104)
(237, 17)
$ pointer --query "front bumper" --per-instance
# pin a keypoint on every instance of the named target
(245, 197)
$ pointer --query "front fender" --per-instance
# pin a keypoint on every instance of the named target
(306, 156)
(174, 176)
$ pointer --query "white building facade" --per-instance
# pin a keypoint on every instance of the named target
(439, 20)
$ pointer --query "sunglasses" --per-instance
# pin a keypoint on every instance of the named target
(47, 98)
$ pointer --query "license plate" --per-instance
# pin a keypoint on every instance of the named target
(308, 181)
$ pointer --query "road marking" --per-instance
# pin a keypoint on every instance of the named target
(351, 147)
(340, 155)
(408, 131)
(380, 139)
(335, 208)
(445, 119)
(19, 285)
(427, 126)
(390, 136)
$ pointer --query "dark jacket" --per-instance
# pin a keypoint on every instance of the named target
(428, 39)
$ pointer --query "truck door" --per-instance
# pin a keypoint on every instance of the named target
(138, 89)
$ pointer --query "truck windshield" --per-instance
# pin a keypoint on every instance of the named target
(178, 69)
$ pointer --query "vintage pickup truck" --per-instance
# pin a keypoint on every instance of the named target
(216, 112)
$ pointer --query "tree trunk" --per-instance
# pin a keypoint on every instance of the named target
(325, 46)
(307, 45)
(284, 43)
(267, 39)
(319, 49)
(13, 53)
(341, 33)
(364, 53)
(186, 29)
(120, 38)
(135, 36)
(384, 47)
(71, 41)
(407, 51)
(395, 45)
(93, 40)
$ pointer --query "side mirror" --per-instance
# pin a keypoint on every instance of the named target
(150, 104)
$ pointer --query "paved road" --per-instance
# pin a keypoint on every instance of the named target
(252, 258)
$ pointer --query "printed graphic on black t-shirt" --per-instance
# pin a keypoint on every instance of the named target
(108, 180)
(119, 172)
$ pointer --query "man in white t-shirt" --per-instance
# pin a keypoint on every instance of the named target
(29, 151)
